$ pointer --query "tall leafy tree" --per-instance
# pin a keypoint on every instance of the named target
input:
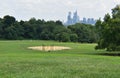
(110, 31)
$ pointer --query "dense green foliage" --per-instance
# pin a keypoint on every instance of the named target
(85, 33)
(34, 29)
(109, 31)
(16, 61)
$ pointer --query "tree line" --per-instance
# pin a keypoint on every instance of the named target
(37, 29)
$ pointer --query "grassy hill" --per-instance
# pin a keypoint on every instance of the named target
(82, 61)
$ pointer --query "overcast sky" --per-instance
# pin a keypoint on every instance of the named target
(55, 9)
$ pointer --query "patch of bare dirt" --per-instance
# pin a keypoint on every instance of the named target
(49, 48)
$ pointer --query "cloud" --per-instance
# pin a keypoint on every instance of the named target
(117, 1)
(56, 9)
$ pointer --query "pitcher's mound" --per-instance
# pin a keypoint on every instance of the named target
(49, 48)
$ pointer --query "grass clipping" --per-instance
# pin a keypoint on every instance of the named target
(49, 48)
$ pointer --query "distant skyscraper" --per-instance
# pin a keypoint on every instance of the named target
(69, 19)
(75, 18)
(84, 20)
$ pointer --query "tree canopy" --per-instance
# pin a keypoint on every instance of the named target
(109, 31)
(11, 29)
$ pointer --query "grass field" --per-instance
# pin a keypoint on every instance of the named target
(16, 61)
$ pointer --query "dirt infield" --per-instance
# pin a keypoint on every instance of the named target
(49, 48)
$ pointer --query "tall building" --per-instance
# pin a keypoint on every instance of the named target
(69, 19)
(75, 19)
(84, 20)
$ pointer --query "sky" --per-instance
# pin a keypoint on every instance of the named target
(56, 9)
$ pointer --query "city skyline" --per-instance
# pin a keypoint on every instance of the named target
(56, 9)
(74, 18)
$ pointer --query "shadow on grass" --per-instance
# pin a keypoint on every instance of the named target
(108, 54)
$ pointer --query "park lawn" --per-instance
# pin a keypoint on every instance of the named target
(82, 61)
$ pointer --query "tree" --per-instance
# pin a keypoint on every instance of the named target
(116, 12)
(110, 31)
(1, 29)
(8, 20)
(59, 23)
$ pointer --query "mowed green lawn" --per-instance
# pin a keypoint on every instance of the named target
(16, 61)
